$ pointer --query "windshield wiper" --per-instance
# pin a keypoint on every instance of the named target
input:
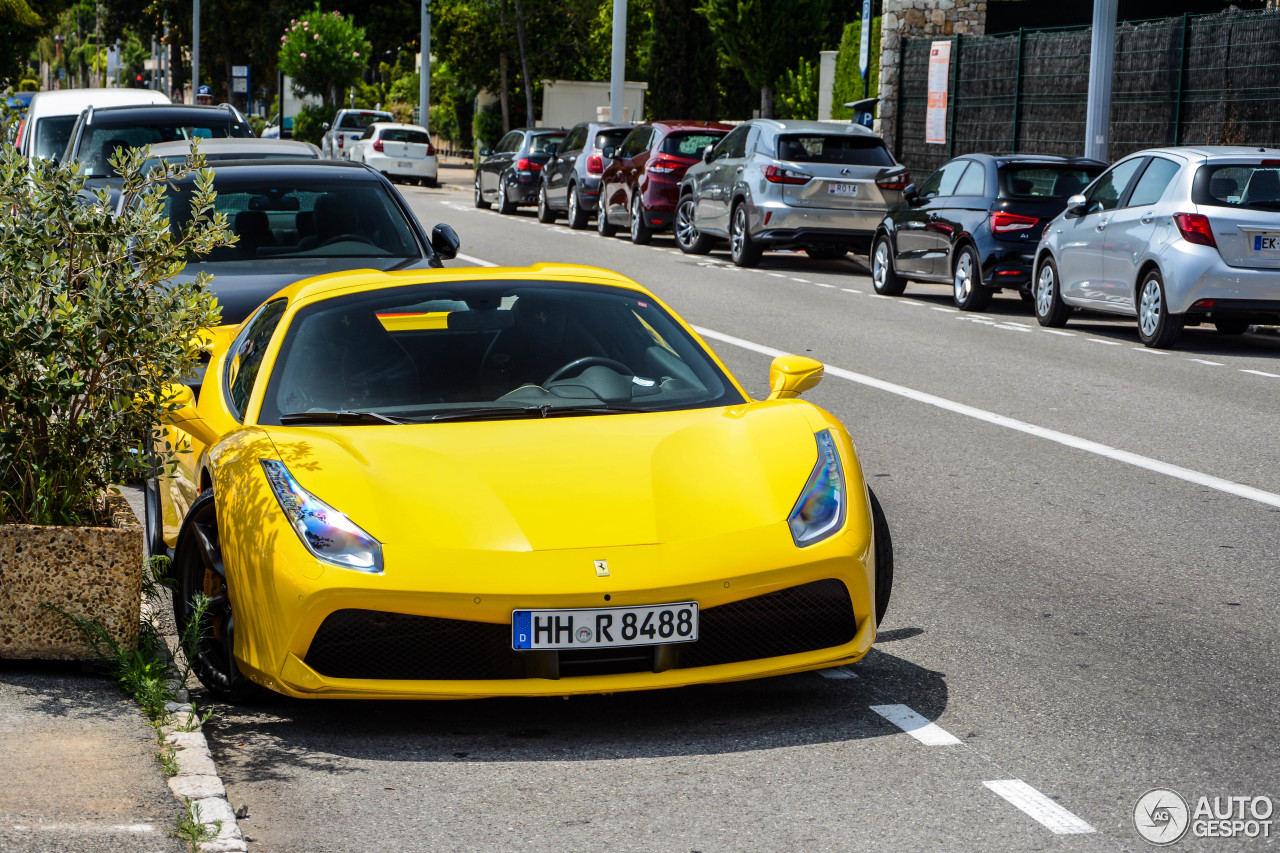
(543, 411)
(342, 417)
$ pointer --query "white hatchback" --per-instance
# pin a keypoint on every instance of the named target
(1173, 237)
(402, 152)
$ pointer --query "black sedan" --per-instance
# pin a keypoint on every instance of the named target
(509, 173)
(975, 224)
(301, 218)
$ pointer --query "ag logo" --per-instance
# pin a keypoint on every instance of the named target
(1161, 816)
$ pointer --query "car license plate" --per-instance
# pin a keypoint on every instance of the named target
(605, 627)
(404, 164)
(1266, 244)
(842, 189)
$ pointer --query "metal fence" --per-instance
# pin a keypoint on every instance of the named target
(1206, 79)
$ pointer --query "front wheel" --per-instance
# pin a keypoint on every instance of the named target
(545, 214)
(201, 576)
(885, 281)
(884, 557)
(744, 251)
(1156, 326)
(966, 284)
(1051, 311)
(641, 234)
(690, 240)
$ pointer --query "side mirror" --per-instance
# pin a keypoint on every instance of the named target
(552, 149)
(214, 342)
(706, 153)
(789, 375)
(911, 195)
(185, 417)
(486, 151)
(325, 126)
(1076, 205)
(609, 152)
(445, 242)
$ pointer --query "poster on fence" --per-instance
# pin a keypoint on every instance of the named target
(935, 117)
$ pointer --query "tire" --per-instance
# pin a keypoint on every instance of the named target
(1157, 328)
(577, 216)
(603, 228)
(690, 240)
(966, 281)
(826, 253)
(742, 249)
(884, 557)
(430, 182)
(198, 568)
(505, 205)
(153, 519)
(545, 214)
(1231, 326)
(480, 202)
(1050, 310)
(641, 234)
(885, 281)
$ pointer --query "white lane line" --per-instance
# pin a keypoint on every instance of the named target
(804, 281)
(1012, 328)
(880, 296)
(475, 261)
(1059, 332)
(913, 304)
(1102, 341)
(929, 734)
(1040, 808)
(776, 275)
(84, 827)
(850, 290)
(1149, 351)
(1262, 373)
(820, 284)
(1203, 361)
(939, 308)
(1176, 471)
(837, 672)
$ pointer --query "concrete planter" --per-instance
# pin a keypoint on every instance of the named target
(94, 572)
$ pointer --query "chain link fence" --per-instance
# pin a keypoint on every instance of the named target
(1207, 79)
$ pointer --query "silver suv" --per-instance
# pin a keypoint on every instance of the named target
(1172, 236)
(775, 184)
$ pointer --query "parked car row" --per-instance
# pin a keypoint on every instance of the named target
(401, 152)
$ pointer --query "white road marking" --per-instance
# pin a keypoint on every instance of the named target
(880, 296)
(851, 290)
(469, 259)
(1175, 471)
(820, 284)
(1039, 807)
(84, 827)
(804, 281)
(776, 275)
(1149, 351)
(940, 308)
(1012, 328)
(929, 734)
(913, 304)
(1262, 373)
(1203, 361)
(1101, 341)
(837, 672)
(1059, 332)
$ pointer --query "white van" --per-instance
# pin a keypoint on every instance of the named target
(52, 115)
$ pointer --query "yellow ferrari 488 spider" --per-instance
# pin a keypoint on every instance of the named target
(506, 482)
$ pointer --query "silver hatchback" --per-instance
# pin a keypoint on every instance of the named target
(1173, 237)
(775, 184)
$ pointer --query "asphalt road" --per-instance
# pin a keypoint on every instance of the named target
(1085, 601)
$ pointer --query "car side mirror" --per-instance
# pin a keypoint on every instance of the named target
(214, 342)
(552, 149)
(445, 242)
(789, 375)
(325, 126)
(486, 151)
(1077, 205)
(184, 415)
(609, 152)
(706, 154)
(911, 195)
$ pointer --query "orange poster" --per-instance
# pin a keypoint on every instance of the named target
(935, 117)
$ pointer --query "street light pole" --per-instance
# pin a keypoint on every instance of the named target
(195, 48)
(1102, 62)
(424, 72)
(617, 78)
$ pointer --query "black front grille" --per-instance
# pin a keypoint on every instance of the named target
(377, 645)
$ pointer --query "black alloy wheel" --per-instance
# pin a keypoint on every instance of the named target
(198, 569)
(545, 214)
(690, 240)
(577, 216)
(1051, 311)
(480, 202)
(885, 281)
(641, 234)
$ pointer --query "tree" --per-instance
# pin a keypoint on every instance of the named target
(324, 53)
(764, 38)
(681, 67)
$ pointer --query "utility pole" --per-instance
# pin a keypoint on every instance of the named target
(195, 48)
(1102, 62)
(424, 73)
(618, 77)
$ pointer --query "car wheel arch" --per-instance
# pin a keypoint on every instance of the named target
(1143, 271)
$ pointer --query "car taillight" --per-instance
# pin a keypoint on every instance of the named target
(342, 140)
(595, 165)
(524, 164)
(377, 145)
(1195, 228)
(431, 150)
(1003, 222)
(779, 175)
(897, 182)
(664, 165)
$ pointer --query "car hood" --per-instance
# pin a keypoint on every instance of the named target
(241, 286)
(560, 483)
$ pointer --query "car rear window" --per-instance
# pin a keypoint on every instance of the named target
(1251, 185)
(690, 144)
(538, 144)
(611, 138)
(359, 121)
(99, 142)
(52, 135)
(1045, 182)
(400, 135)
(834, 148)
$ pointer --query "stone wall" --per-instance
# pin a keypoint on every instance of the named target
(916, 19)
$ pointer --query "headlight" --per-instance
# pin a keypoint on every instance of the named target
(327, 533)
(820, 510)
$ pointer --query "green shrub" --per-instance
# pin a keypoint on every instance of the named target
(796, 93)
(308, 124)
(848, 85)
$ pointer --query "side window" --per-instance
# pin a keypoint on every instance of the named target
(973, 182)
(577, 140)
(1106, 191)
(368, 133)
(1155, 179)
(510, 142)
(739, 148)
(943, 181)
(245, 357)
(733, 145)
(634, 143)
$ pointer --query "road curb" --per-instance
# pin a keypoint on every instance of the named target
(197, 780)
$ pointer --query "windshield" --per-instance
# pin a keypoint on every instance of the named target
(689, 144)
(1252, 185)
(839, 149)
(1058, 183)
(100, 142)
(52, 135)
(359, 121)
(302, 218)
(489, 349)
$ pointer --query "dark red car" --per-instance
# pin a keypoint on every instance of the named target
(640, 187)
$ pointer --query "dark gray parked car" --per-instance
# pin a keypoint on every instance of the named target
(571, 178)
(509, 173)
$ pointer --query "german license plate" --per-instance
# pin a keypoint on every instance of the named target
(605, 627)
(1266, 244)
(404, 164)
(842, 189)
